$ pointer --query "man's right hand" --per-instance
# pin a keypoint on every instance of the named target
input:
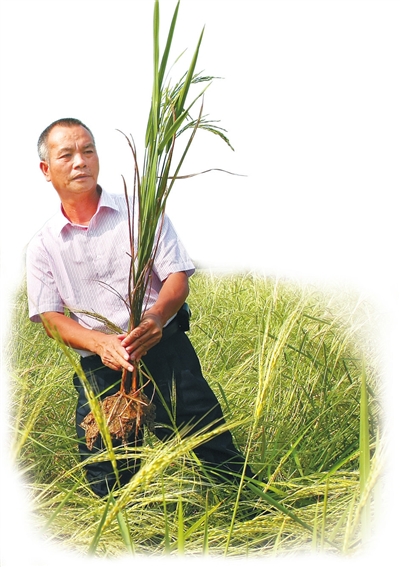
(112, 353)
(108, 347)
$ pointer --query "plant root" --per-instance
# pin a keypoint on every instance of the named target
(123, 412)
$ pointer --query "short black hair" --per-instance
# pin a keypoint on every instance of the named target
(43, 150)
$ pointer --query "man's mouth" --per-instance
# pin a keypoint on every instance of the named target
(82, 176)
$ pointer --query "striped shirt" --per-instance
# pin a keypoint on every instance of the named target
(86, 268)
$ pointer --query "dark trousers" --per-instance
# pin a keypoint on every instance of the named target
(174, 366)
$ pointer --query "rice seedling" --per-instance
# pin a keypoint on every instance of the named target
(306, 432)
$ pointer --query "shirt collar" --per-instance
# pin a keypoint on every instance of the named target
(106, 200)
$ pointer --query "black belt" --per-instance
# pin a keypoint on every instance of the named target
(172, 328)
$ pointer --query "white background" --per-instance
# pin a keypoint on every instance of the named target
(310, 99)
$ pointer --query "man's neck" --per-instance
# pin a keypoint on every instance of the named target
(81, 209)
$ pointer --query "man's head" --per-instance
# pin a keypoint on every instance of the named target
(68, 157)
(42, 146)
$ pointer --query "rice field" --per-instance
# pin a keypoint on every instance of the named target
(297, 371)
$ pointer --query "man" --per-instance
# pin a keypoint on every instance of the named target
(80, 261)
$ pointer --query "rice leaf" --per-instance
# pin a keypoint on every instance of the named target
(181, 528)
(365, 458)
(125, 533)
(100, 526)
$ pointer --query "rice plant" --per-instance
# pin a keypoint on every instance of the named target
(169, 117)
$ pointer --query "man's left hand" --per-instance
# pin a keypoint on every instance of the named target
(139, 341)
(173, 293)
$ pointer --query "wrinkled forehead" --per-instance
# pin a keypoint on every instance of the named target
(69, 136)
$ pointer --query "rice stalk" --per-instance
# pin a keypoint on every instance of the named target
(95, 541)
(324, 514)
(21, 435)
(362, 513)
(184, 535)
(181, 528)
(268, 358)
(365, 456)
(167, 542)
(205, 548)
(124, 530)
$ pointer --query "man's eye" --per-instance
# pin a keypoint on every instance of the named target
(65, 156)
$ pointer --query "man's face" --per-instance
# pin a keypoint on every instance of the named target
(73, 163)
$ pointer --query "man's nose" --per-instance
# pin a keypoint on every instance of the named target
(79, 160)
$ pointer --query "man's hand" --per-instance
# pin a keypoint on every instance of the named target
(172, 295)
(109, 347)
(113, 354)
(139, 341)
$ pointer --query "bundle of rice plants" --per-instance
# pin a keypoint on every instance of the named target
(169, 117)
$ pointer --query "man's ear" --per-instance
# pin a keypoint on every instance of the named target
(44, 166)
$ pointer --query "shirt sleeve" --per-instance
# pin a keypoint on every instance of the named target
(43, 295)
(171, 255)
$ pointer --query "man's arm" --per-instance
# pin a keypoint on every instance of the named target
(172, 296)
(116, 351)
(108, 347)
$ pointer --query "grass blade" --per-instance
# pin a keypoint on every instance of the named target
(365, 457)
(189, 77)
(205, 536)
(181, 528)
(125, 533)
(100, 526)
(167, 541)
(167, 48)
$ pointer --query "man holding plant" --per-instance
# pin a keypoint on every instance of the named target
(77, 266)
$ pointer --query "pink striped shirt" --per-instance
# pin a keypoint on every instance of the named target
(86, 268)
